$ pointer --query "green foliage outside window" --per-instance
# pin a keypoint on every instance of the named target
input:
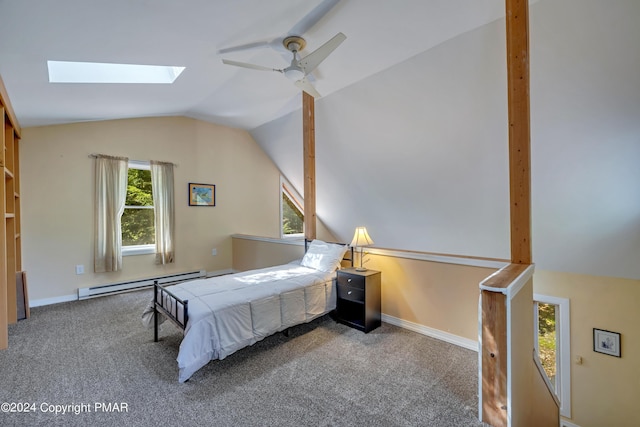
(138, 221)
(547, 338)
(292, 218)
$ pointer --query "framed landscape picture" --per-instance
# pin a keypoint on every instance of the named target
(202, 194)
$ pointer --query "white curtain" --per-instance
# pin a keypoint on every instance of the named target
(111, 193)
(163, 202)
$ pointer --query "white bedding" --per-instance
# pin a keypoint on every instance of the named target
(227, 313)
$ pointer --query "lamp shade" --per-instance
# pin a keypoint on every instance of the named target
(361, 238)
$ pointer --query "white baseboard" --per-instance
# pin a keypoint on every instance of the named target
(565, 423)
(74, 297)
(433, 333)
(54, 300)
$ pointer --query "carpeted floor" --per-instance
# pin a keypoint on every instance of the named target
(83, 356)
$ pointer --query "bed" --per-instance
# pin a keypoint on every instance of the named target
(221, 315)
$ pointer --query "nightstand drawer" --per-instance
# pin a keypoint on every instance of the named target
(350, 293)
(351, 281)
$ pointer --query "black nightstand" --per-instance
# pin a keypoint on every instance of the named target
(358, 302)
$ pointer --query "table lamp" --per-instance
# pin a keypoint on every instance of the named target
(361, 239)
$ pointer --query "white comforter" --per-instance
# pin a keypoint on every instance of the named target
(227, 313)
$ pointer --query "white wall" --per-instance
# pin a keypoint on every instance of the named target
(418, 153)
(585, 97)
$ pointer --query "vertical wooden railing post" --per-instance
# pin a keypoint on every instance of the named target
(309, 154)
(495, 350)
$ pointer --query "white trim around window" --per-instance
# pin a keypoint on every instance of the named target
(285, 186)
(138, 250)
(563, 348)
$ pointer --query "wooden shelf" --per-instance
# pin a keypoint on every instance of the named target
(10, 241)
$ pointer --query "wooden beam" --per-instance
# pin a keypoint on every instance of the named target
(494, 304)
(309, 154)
(517, 17)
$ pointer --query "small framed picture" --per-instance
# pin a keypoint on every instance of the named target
(606, 342)
(202, 194)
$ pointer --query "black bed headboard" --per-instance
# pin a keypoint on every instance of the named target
(348, 256)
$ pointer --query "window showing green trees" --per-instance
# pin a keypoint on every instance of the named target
(292, 216)
(547, 339)
(138, 217)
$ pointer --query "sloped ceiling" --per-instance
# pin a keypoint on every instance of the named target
(411, 134)
(191, 33)
(418, 152)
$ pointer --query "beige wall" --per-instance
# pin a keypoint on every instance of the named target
(605, 390)
(542, 397)
(57, 196)
(437, 295)
(249, 254)
(521, 356)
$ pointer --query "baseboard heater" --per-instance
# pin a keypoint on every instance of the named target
(114, 288)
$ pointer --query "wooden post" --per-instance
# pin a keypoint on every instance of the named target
(309, 154)
(517, 16)
(495, 349)
(494, 358)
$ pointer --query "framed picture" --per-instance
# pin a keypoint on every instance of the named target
(606, 342)
(202, 194)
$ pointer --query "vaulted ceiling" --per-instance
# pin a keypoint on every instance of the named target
(191, 33)
(411, 130)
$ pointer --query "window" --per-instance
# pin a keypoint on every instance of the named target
(97, 72)
(291, 211)
(137, 224)
(553, 346)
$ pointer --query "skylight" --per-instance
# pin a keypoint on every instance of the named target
(96, 72)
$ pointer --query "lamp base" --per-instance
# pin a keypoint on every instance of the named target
(361, 269)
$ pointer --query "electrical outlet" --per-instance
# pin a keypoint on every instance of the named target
(79, 269)
(214, 252)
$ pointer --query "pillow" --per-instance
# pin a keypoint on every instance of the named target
(323, 256)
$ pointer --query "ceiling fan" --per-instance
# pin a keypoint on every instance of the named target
(299, 69)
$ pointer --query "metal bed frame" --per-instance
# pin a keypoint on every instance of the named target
(167, 303)
(160, 296)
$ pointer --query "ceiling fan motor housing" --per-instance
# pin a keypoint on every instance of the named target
(294, 43)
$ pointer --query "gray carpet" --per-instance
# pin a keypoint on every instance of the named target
(324, 374)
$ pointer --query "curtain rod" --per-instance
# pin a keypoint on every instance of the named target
(95, 156)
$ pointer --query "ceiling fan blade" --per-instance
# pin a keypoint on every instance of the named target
(312, 18)
(246, 65)
(311, 61)
(307, 87)
(247, 46)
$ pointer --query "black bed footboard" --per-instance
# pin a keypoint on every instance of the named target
(172, 307)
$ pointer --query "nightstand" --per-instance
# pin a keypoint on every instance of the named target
(358, 301)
